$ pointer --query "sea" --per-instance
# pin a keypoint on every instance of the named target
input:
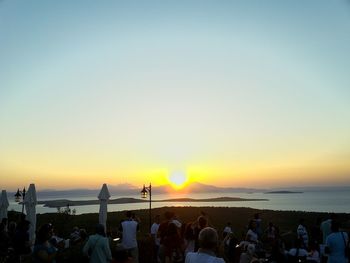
(331, 200)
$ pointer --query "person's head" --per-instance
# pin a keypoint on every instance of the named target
(100, 230)
(128, 214)
(24, 225)
(157, 219)
(252, 224)
(83, 234)
(172, 229)
(228, 224)
(333, 216)
(208, 238)
(256, 216)
(45, 233)
(168, 215)
(335, 226)
(302, 221)
(202, 222)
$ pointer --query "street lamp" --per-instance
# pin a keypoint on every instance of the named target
(20, 195)
(144, 192)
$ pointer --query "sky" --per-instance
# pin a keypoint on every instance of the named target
(227, 93)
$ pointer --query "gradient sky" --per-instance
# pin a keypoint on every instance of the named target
(232, 93)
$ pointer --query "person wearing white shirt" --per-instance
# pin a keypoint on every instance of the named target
(208, 242)
(129, 229)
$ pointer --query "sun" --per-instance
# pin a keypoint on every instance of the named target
(177, 179)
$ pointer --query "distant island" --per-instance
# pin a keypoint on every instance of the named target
(283, 192)
(65, 202)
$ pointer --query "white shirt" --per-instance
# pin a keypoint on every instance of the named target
(129, 234)
(197, 257)
(154, 230)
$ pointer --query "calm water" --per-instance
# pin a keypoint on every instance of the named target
(313, 201)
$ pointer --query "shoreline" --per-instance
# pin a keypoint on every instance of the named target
(67, 202)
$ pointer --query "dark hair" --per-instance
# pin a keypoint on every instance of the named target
(128, 214)
(82, 234)
(171, 229)
(44, 233)
(251, 223)
(335, 226)
(100, 230)
(202, 222)
(168, 215)
(23, 225)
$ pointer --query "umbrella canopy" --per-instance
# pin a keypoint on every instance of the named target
(103, 197)
(30, 205)
(4, 204)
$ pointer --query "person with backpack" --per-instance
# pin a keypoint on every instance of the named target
(336, 244)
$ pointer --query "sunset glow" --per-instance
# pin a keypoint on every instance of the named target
(232, 93)
(177, 179)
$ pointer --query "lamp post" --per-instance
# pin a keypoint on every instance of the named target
(20, 195)
(144, 192)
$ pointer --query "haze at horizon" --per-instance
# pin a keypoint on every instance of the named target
(232, 94)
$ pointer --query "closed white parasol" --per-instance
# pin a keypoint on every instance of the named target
(103, 197)
(30, 206)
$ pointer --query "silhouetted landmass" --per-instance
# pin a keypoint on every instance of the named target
(65, 202)
(195, 187)
(283, 192)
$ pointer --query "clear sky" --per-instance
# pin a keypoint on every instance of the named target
(231, 93)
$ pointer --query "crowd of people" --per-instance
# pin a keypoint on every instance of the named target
(174, 241)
